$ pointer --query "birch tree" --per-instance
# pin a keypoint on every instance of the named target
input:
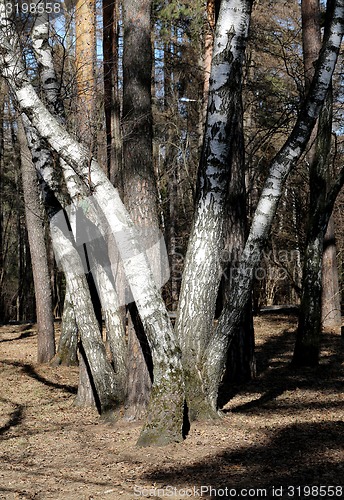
(94, 256)
(203, 265)
(285, 160)
(165, 412)
(307, 346)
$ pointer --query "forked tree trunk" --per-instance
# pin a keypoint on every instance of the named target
(203, 264)
(217, 348)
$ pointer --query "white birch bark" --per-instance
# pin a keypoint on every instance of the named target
(48, 77)
(165, 412)
(281, 166)
(109, 390)
(101, 268)
(41, 157)
(203, 266)
(102, 372)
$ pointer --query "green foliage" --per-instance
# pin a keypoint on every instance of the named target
(185, 14)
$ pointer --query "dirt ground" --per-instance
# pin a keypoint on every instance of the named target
(281, 434)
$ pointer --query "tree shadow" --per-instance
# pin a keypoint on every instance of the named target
(15, 418)
(276, 374)
(23, 335)
(296, 455)
(31, 372)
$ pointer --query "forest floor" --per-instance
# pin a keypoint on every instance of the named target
(281, 433)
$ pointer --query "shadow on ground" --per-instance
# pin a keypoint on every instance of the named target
(297, 455)
(29, 370)
(291, 457)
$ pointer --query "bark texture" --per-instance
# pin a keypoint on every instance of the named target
(203, 264)
(36, 233)
(111, 97)
(307, 346)
(85, 64)
(331, 296)
(140, 189)
(66, 354)
(215, 356)
(93, 250)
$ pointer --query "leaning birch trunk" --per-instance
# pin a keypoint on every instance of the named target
(98, 369)
(101, 371)
(76, 189)
(93, 247)
(307, 346)
(215, 354)
(203, 266)
(165, 412)
(67, 349)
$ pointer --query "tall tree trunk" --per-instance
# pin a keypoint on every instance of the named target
(203, 264)
(85, 60)
(138, 174)
(240, 365)
(309, 325)
(111, 94)
(35, 226)
(212, 11)
(309, 328)
(330, 306)
(306, 352)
